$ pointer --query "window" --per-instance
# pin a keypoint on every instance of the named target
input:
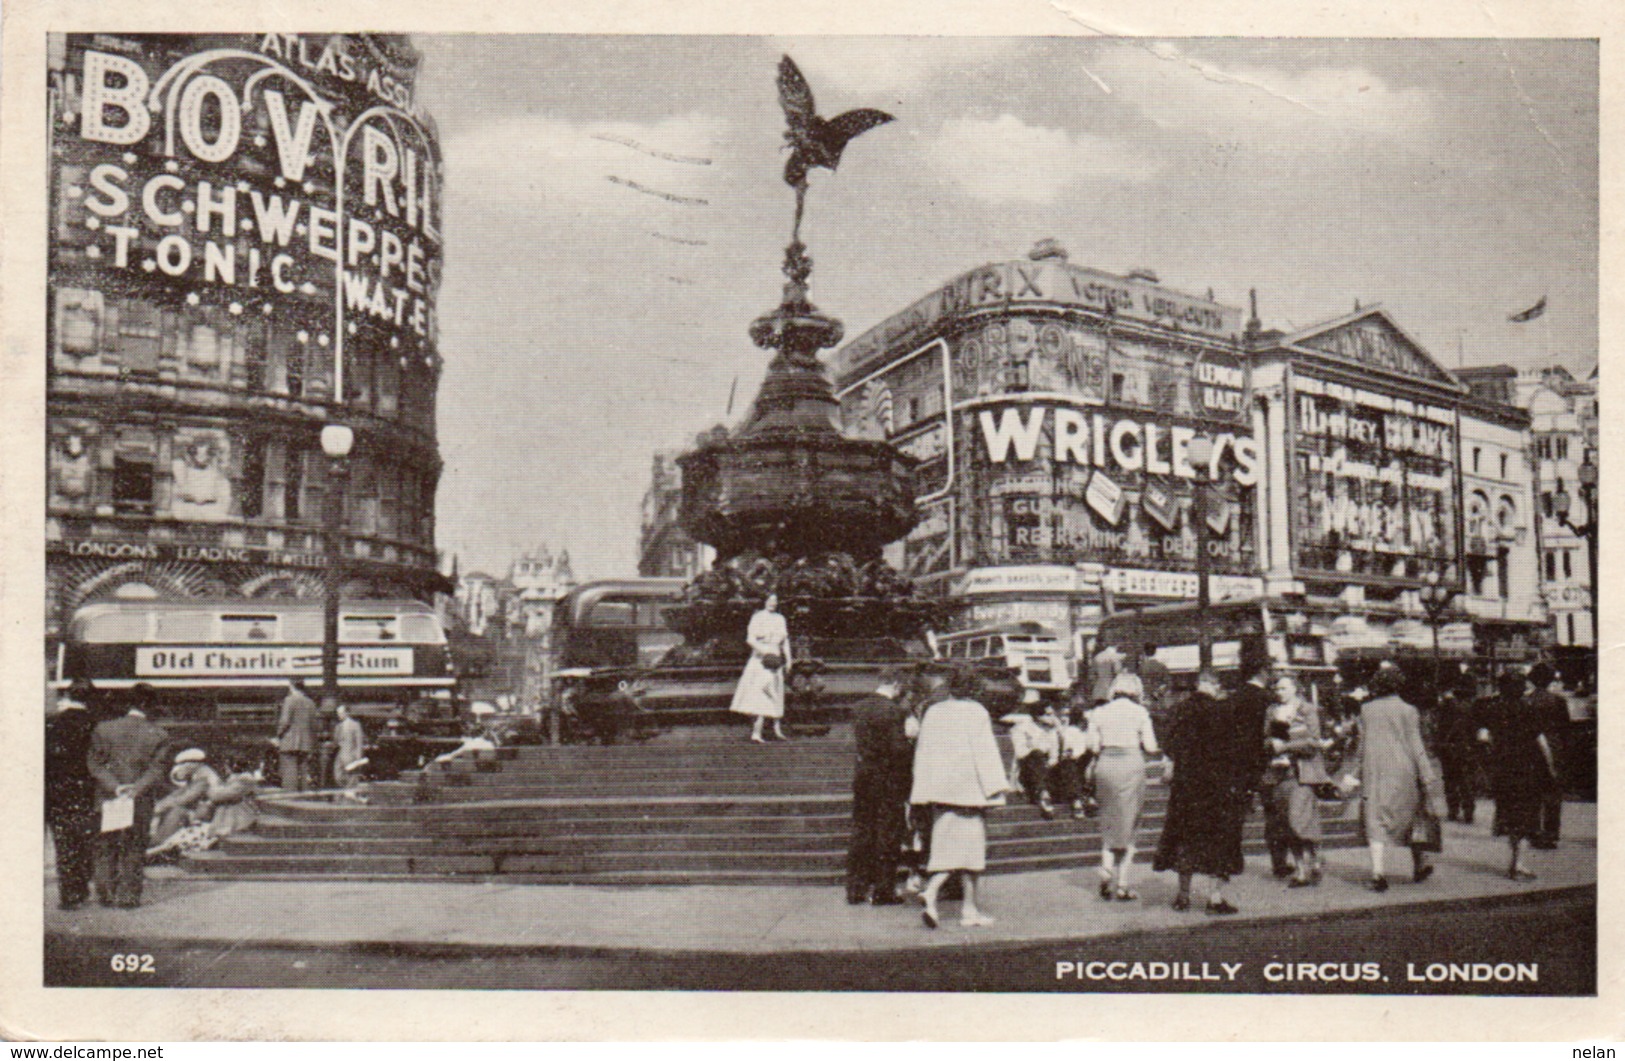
(1546, 505)
(371, 628)
(421, 629)
(293, 485)
(296, 369)
(251, 488)
(183, 626)
(1568, 563)
(389, 501)
(1503, 573)
(613, 613)
(1570, 618)
(132, 484)
(1562, 448)
(1119, 382)
(314, 503)
(389, 385)
(254, 361)
(234, 628)
(1551, 567)
(140, 335)
(1476, 452)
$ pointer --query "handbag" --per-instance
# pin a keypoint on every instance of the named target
(773, 662)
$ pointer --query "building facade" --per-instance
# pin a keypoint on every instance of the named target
(245, 246)
(1054, 411)
(665, 549)
(1561, 432)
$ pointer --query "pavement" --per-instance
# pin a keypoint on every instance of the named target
(1055, 905)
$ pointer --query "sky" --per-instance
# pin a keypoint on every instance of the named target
(615, 217)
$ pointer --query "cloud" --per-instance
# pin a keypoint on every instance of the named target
(877, 71)
(602, 169)
(1315, 109)
(1005, 160)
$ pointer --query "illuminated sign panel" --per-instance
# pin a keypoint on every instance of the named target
(1046, 483)
(213, 661)
(1375, 490)
(276, 175)
(1020, 284)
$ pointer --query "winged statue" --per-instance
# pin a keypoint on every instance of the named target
(815, 141)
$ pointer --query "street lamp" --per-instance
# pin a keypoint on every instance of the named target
(1562, 504)
(1199, 452)
(1436, 598)
(336, 442)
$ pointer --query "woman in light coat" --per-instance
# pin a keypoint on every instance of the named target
(1394, 775)
(761, 687)
(1120, 735)
(958, 773)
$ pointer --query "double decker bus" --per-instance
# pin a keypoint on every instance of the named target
(1031, 651)
(219, 668)
(1262, 629)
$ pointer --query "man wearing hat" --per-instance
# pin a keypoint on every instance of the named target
(880, 787)
(70, 794)
(127, 760)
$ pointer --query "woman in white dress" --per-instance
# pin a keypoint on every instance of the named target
(959, 774)
(1120, 735)
(761, 687)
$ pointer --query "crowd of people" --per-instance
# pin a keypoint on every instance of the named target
(930, 768)
(120, 796)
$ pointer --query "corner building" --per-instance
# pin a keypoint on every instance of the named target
(1052, 408)
(245, 246)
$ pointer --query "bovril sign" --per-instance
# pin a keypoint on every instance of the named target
(187, 661)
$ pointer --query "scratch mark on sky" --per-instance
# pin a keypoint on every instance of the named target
(687, 200)
(1168, 53)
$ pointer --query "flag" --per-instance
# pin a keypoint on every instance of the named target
(1531, 313)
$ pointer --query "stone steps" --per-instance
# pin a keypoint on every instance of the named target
(704, 807)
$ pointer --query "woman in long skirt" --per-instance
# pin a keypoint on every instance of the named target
(1120, 735)
(1522, 767)
(760, 691)
(1201, 832)
(1395, 772)
(958, 773)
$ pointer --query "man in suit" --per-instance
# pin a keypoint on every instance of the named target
(127, 759)
(1250, 706)
(70, 794)
(880, 787)
(1552, 709)
(296, 736)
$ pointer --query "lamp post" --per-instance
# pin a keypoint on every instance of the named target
(1436, 598)
(1200, 454)
(1562, 504)
(336, 442)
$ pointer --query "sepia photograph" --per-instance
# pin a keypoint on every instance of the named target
(990, 514)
